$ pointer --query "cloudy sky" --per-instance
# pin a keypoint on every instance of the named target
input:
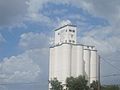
(27, 30)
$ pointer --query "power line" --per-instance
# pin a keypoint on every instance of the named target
(110, 64)
(111, 75)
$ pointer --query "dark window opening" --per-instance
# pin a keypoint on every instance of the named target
(70, 30)
(72, 35)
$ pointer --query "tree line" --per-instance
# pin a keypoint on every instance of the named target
(79, 83)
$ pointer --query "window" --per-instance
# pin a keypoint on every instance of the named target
(70, 30)
(92, 47)
(66, 30)
(73, 41)
(71, 35)
(58, 33)
(69, 40)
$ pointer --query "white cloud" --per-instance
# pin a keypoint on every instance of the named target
(107, 9)
(13, 12)
(34, 40)
(1, 39)
(103, 38)
(31, 65)
(25, 67)
(64, 22)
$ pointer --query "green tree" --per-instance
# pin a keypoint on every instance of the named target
(78, 83)
(56, 85)
(94, 85)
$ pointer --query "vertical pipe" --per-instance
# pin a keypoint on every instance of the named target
(99, 86)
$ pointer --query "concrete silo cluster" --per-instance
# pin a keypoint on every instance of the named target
(68, 58)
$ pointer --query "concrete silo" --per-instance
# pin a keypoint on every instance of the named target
(51, 64)
(51, 61)
(77, 60)
(87, 55)
(56, 62)
(66, 62)
(93, 66)
(79, 63)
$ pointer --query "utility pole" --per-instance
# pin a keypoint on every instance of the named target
(99, 86)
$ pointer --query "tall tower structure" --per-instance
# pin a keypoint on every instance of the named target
(68, 58)
(65, 34)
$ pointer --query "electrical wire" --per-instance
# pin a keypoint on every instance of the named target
(110, 64)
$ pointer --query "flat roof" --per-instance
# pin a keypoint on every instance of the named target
(65, 26)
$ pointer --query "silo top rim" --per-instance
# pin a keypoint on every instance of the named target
(94, 50)
(91, 50)
(65, 26)
(89, 45)
(71, 44)
(66, 43)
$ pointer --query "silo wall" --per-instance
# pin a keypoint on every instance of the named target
(51, 63)
(66, 61)
(93, 66)
(80, 63)
(77, 60)
(58, 63)
(87, 64)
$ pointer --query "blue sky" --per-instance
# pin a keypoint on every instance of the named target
(27, 30)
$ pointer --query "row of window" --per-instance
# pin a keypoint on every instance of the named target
(71, 30)
(70, 41)
(90, 46)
